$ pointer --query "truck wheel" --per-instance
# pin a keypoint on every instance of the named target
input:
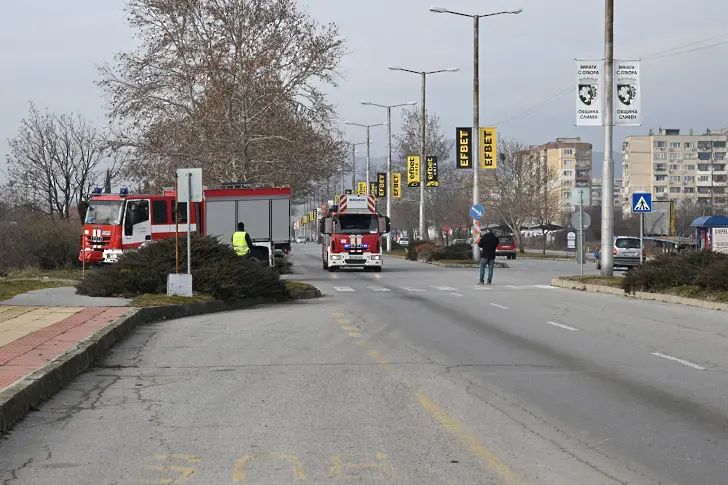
(513, 257)
(377, 269)
(331, 268)
(325, 265)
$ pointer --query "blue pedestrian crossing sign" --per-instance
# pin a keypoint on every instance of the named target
(477, 211)
(641, 202)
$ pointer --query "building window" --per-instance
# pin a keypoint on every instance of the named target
(568, 151)
(703, 178)
(568, 173)
(659, 190)
(704, 145)
(675, 144)
(703, 190)
(689, 178)
(674, 178)
(720, 156)
(703, 167)
(720, 167)
(691, 155)
(660, 178)
(675, 156)
(660, 155)
(688, 144)
(718, 144)
(689, 167)
(660, 144)
(689, 190)
(704, 156)
(568, 163)
(674, 190)
(660, 167)
(719, 178)
(674, 167)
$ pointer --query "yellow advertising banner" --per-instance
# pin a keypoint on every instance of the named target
(373, 189)
(304, 220)
(361, 188)
(396, 185)
(488, 151)
(463, 135)
(413, 171)
(431, 172)
(382, 184)
(312, 215)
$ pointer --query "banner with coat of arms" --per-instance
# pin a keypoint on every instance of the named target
(589, 93)
(629, 98)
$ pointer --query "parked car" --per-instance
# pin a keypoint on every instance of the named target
(300, 239)
(626, 252)
(506, 247)
(403, 241)
(459, 241)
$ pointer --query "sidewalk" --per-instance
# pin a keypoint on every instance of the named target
(31, 336)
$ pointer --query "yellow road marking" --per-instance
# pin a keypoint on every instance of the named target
(361, 342)
(239, 470)
(354, 334)
(349, 328)
(374, 354)
(184, 473)
(343, 320)
(461, 433)
(343, 469)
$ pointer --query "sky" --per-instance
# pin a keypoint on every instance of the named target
(49, 50)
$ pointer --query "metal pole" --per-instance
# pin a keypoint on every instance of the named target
(642, 234)
(476, 120)
(422, 161)
(368, 159)
(353, 168)
(580, 256)
(189, 223)
(343, 169)
(608, 168)
(176, 224)
(389, 172)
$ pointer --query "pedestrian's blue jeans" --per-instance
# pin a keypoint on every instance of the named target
(490, 263)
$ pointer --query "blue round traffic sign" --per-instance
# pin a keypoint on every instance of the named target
(477, 211)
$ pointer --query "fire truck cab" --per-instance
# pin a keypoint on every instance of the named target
(352, 233)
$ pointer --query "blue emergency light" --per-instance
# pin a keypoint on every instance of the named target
(97, 190)
(334, 208)
(123, 191)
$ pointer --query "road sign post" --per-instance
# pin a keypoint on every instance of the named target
(190, 190)
(581, 221)
(642, 204)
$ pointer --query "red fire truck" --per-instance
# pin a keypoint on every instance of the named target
(352, 234)
(121, 222)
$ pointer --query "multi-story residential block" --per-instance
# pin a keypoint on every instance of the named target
(676, 167)
(596, 193)
(571, 160)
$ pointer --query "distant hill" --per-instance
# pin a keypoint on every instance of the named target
(598, 161)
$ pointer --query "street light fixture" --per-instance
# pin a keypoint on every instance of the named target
(389, 155)
(353, 167)
(368, 142)
(476, 96)
(423, 74)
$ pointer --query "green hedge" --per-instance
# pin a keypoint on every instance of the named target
(216, 271)
(703, 269)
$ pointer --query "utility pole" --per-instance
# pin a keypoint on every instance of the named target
(423, 155)
(475, 139)
(607, 260)
(353, 167)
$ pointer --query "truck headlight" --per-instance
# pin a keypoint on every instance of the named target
(376, 257)
(335, 257)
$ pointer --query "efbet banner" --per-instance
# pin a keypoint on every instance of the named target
(431, 172)
(413, 171)
(381, 184)
(312, 215)
(464, 157)
(304, 220)
(629, 97)
(373, 189)
(361, 188)
(488, 151)
(589, 93)
(396, 185)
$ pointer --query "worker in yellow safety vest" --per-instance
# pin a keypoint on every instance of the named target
(242, 241)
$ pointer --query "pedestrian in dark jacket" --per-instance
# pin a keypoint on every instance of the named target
(488, 244)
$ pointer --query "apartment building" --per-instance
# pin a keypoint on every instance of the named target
(674, 166)
(596, 192)
(571, 160)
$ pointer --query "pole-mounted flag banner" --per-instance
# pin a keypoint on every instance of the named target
(381, 184)
(413, 171)
(464, 156)
(361, 188)
(589, 93)
(373, 189)
(431, 172)
(396, 185)
(629, 96)
(488, 152)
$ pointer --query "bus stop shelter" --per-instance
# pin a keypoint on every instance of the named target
(707, 229)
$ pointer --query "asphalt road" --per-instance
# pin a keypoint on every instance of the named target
(409, 376)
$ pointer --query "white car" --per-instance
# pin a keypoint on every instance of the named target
(403, 241)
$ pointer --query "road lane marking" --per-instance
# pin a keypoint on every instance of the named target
(354, 334)
(456, 294)
(342, 320)
(345, 469)
(514, 287)
(566, 327)
(499, 306)
(349, 328)
(675, 359)
(444, 288)
(412, 289)
(183, 473)
(461, 433)
(378, 288)
(240, 467)
(379, 359)
(343, 288)
(544, 287)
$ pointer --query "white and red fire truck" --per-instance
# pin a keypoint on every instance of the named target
(352, 234)
(116, 223)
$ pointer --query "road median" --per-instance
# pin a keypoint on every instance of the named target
(591, 284)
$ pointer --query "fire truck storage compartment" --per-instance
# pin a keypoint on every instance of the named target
(266, 219)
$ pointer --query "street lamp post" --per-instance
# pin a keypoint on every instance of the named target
(476, 97)
(353, 166)
(389, 156)
(368, 142)
(423, 129)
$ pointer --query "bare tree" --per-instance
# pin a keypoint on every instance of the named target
(234, 86)
(513, 188)
(547, 209)
(55, 160)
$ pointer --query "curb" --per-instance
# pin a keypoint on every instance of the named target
(640, 295)
(497, 264)
(26, 394)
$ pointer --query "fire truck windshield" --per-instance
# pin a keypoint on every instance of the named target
(356, 224)
(105, 212)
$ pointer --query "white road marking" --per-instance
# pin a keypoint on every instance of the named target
(566, 327)
(444, 288)
(378, 288)
(456, 294)
(412, 289)
(481, 288)
(499, 306)
(683, 362)
(343, 288)
(544, 287)
(514, 287)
